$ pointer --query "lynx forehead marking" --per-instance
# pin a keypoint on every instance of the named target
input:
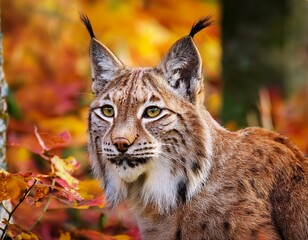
(138, 88)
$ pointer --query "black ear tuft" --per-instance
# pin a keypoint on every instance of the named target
(201, 24)
(84, 18)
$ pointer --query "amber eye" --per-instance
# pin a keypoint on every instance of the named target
(107, 111)
(151, 112)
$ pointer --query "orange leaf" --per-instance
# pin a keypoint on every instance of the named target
(90, 189)
(4, 194)
(13, 185)
(41, 192)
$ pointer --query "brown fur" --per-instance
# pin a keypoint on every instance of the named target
(183, 175)
(258, 189)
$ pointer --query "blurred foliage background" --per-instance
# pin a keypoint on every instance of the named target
(254, 57)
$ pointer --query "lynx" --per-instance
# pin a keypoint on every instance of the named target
(155, 147)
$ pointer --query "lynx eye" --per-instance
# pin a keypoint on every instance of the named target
(151, 112)
(107, 111)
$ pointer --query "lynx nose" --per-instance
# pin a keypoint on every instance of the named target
(121, 144)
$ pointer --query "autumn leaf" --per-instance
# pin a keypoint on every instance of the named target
(48, 141)
(76, 127)
(91, 192)
(4, 194)
(24, 177)
(95, 202)
(123, 237)
(64, 168)
(90, 188)
(13, 185)
(65, 236)
(68, 196)
(39, 142)
(54, 141)
(40, 192)
(17, 232)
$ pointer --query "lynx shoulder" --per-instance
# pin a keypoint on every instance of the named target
(154, 146)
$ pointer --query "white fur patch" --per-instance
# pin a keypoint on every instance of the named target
(174, 78)
(127, 173)
(160, 187)
(117, 189)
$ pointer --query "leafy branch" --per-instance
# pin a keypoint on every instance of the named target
(10, 213)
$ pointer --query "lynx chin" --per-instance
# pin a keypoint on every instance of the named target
(155, 147)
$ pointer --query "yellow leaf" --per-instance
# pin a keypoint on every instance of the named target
(90, 189)
(123, 237)
(65, 236)
(64, 168)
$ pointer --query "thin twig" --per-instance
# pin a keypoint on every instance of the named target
(53, 183)
(4, 207)
(15, 208)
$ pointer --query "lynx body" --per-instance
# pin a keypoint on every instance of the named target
(154, 146)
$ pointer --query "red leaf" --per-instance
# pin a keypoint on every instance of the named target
(68, 194)
(48, 141)
(39, 142)
(96, 202)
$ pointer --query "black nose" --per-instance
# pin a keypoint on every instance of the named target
(122, 144)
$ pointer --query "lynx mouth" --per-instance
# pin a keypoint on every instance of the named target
(131, 162)
(129, 168)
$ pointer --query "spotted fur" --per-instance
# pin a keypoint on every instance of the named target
(181, 173)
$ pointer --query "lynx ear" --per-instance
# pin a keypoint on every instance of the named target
(182, 65)
(104, 63)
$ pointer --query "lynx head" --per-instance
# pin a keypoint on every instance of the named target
(147, 139)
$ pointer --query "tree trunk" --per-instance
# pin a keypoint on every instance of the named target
(252, 41)
(3, 124)
(296, 47)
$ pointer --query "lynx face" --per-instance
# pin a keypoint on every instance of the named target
(143, 131)
(140, 136)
